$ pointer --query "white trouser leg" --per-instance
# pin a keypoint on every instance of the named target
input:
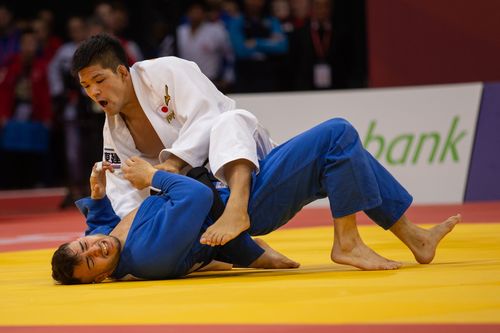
(237, 135)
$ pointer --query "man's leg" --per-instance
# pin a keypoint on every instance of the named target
(423, 242)
(244, 251)
(327, 160)
(349, 248)
(420, 241)
(272, 259)
(237, 142)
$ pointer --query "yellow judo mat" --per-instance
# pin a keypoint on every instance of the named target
(461, 286)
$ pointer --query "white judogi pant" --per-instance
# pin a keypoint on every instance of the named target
(237, 135)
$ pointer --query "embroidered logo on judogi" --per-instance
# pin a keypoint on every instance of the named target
(167, 96)
(112, 157)
(169, 114)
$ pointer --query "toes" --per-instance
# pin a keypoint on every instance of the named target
(224, 239)
(292, 264)
(218, 239)
(391, 266)
(207, 238)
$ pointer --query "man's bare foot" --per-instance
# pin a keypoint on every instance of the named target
(215, 265)
(272, 259)
(424, 242)
(226, 228)
(355, 253)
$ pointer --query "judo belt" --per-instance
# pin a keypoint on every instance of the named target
(202, 175)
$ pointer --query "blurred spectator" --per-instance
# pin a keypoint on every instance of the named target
(300, 12)
(281, 10)
(74, 115)
(95, 25)
(317, 51)
(260, 46)
(104, 12)
(112, 18)
(214, 10)
(168, 46)
(229, 10)
(119, 24)
(9, 36)
(48, 16)
(48, 43)
(207, 44)
(26, 114)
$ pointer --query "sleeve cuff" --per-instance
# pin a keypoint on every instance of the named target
(88, 204)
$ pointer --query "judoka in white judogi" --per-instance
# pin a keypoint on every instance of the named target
(193, 120)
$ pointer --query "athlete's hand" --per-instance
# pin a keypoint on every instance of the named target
(167, 167)
(98, 179)
(172, 164)
(138, 172)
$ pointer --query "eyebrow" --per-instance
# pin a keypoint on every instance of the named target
(93, 77)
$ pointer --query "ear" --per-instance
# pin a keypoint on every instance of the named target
(122, 71)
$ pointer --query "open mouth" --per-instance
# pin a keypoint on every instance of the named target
(103, 103)
(104, 248)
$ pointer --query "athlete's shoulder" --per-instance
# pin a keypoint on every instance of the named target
(161, 62)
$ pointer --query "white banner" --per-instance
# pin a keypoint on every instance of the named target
(422, 135)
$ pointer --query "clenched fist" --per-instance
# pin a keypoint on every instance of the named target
(138, 172)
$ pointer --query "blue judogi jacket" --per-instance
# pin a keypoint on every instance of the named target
(163, 240)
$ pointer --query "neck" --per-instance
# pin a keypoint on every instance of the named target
(131, 111)
(122, 229)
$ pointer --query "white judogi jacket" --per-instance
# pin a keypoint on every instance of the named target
(183, 106)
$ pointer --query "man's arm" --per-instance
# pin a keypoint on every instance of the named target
(172, 164)
(174, 220)
(97, 209)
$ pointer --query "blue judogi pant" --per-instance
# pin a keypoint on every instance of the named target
(325, 161)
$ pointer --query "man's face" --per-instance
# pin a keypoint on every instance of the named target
(99, 256)
(105, 87)
(196, 14)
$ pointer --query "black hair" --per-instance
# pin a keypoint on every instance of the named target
(64, 261)
(101, 49)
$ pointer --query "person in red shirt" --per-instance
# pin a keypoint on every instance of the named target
(48, 43)
(25, 113)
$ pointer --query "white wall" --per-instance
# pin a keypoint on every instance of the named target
(401, 117)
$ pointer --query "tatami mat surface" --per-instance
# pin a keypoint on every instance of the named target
(462, 286)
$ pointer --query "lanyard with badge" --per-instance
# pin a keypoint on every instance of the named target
(322, 72)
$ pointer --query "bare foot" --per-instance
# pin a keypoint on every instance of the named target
(226, 228)
(355, 253)
(215, 265)
(271, 258)
(423, 245)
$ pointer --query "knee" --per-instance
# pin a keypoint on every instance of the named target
(339, 125)
(341, 130)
